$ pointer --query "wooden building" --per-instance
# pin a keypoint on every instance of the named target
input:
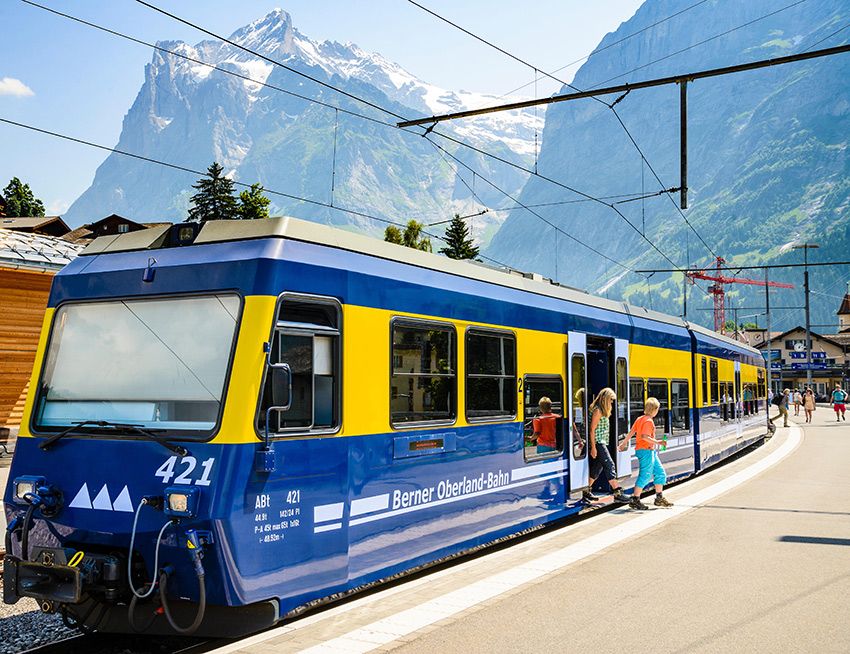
(28, 262)
(44, 225)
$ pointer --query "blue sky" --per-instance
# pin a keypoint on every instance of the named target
(68, 78)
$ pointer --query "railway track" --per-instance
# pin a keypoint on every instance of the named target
(126, 644)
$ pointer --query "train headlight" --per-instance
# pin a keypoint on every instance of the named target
(27, 486)
(181, 502)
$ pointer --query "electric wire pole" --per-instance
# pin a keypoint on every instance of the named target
(805, 247)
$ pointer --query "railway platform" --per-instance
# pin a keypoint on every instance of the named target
(753, 557)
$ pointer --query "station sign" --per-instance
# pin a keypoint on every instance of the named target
(814, 365)
(772, 355)
(819, 355)
(797, 355)
(775, 365)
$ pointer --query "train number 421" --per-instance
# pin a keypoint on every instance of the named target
(185, 475)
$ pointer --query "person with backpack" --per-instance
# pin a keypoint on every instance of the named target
(839, 397)
(781, 402)
(798, 401)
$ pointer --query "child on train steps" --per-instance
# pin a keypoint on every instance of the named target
(646, 446)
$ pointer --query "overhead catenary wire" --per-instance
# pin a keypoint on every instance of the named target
(595, 98)
(274, 62)
(587, 196)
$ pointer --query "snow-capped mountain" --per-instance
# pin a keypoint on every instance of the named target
(190, 112)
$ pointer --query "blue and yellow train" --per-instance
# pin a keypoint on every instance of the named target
(226, 425)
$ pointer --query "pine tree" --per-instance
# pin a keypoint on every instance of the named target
(253, 204)
(458, 243)
(20, 201)
(214, 199)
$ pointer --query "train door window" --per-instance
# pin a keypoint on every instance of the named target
(636, 399)
(706, 399)
(761, 387)
(534, 388)
(307, 338)
(715, 382)
(424, 376)
(490, 375)
(580, 401)
(680, 416)
(657, 388)
(623, 423)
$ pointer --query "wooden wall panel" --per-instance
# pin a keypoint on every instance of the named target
(23, 299)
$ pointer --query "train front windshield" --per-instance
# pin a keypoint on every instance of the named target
(160, 363)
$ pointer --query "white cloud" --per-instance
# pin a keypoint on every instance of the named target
(12, 86)
(57, 207)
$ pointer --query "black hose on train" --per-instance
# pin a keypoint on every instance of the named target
(25, 534)
(202, 605)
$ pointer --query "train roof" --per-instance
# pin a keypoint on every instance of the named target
(217, 231)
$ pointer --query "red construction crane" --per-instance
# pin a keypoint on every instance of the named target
(716, 289)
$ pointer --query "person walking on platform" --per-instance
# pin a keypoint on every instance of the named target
(839, 397)
(782, 404)
(600, 456)
(809, 404)
(647, 454)
(798, 401)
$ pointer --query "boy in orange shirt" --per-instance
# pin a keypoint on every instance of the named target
(646, 452)
(544, 427)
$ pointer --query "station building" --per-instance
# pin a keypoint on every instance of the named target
(785, 352)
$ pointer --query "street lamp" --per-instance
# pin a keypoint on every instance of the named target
(805, 247)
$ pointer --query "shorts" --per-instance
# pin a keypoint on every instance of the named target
(838, 407)
(545, 449)
(650, 468)
(603, 461)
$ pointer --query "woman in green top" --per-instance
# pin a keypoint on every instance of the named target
(600, 457)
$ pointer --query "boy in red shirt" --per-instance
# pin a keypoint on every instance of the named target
(646, 452)
(545, 427)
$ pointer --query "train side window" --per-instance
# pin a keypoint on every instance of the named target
(306, 338)
(715, 382)
(680, 416)
(580, 402)
(657, 388)
(535, 387)
(636, 399)
(706, 400)
(424, 376)
(490, 375)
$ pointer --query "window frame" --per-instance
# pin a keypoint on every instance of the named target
(424, 323)
(706, 396)
(172, 436)
(585, 406)
(714, 381)
(666, 382)
(501, 333)
(688, 426)
(307, 298)
(564, 435)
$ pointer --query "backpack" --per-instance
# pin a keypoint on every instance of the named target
(777, 399)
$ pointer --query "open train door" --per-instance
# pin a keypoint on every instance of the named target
(577, 398)
(624, 421)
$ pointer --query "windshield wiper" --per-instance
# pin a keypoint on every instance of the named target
(114, 426)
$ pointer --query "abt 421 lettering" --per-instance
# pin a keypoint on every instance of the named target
(185, 471)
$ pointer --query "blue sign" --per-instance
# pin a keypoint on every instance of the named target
(772, 355)
(798, 355)
(815, 365)
(776, 366)
(819, 355)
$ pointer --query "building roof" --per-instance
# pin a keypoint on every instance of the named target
(34, 223)
(845, 305)
(35, 251)
(86, 234)
(778, 336)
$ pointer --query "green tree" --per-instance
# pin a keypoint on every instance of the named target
(458, 242)
(392, 234)
(253, 204)
(411, 237)
(20, 201)
(214, 199)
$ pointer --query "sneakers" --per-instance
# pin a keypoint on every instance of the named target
(660, 500)
(587, 496)
(637, 505)
(620, 496)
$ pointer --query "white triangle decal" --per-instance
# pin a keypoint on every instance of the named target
(102, 500)
(123, 502)
(82, 500)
